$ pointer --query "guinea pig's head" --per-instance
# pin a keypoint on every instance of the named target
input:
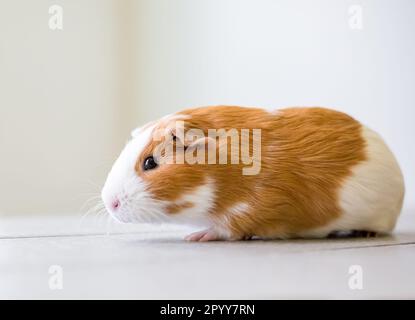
(150, 182)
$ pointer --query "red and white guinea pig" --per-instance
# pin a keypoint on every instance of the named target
(321, 172)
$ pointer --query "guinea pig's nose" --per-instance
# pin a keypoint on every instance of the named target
(115, 204)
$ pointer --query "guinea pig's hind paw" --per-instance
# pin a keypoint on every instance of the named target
(363, 234)
(372, 234)
(353, 234)
(205, 235)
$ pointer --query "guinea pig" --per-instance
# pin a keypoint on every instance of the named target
(316, 172)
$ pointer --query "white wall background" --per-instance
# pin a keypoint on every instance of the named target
(274, 53)
(61, 97)
(69, 98)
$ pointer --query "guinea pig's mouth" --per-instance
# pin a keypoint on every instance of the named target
(120, 213)
(116, 209)
(128, 213)
(131, 202)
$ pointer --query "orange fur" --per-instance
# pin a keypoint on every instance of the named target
(176, 208)
(306, 155)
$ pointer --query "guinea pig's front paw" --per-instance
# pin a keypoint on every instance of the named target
(205, 235)
(213, 235)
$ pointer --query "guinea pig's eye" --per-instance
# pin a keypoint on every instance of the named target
(149, 163)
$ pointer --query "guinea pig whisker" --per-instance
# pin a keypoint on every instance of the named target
(156, 217)
(99, 206)
(95, 197)
(145, 216)
(101, 214)
(93, 208)
(108, 225)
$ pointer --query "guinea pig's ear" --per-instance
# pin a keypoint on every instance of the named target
(186, 137)
(202, 146)
(201, 142)
(177, 134)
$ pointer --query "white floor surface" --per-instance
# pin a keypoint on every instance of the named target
(110, 261)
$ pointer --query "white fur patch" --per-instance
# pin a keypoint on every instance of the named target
(240, 208)
(123, 183)
(276, 112)
(202, 199)
(371, 199)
